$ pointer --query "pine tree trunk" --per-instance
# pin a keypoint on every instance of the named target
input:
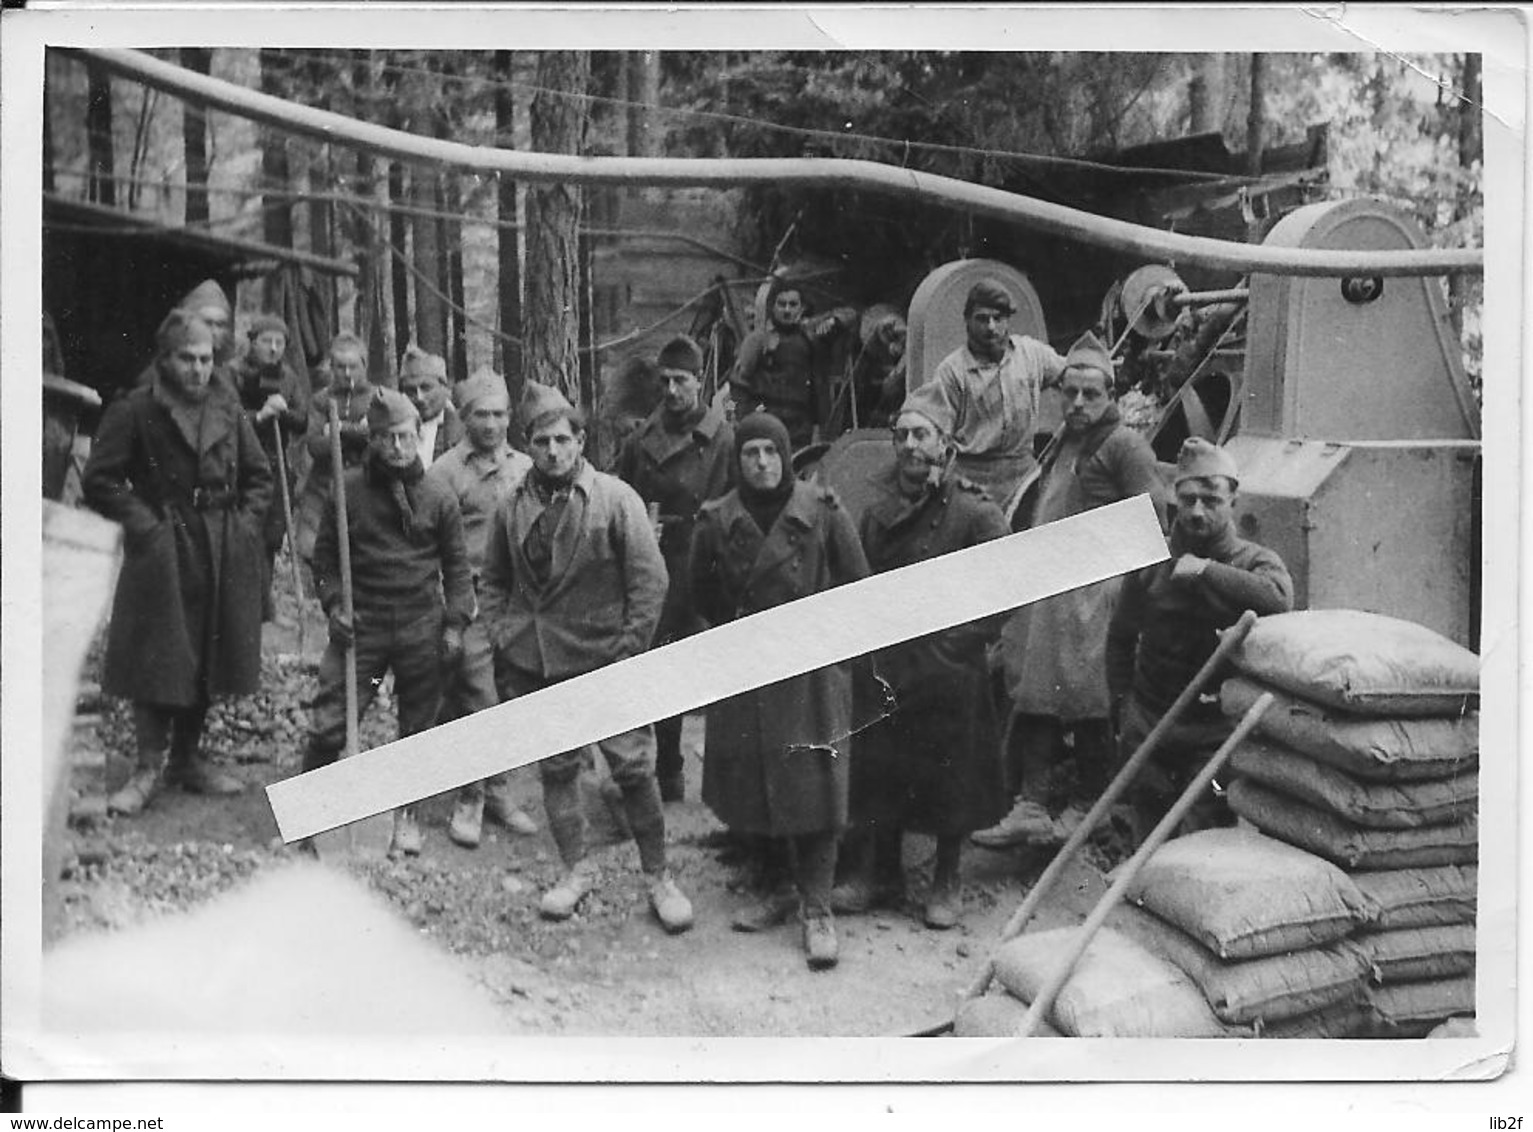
(194, 134)
(551, 317)
(371, 309)
(400, 274)
(1205, 93)
(430, 312)
(98, 132)
(276, 180)
(644, 94)
(1256, 118)
(509, 288)
(458, 358)
(48, 181)
(1470, 150)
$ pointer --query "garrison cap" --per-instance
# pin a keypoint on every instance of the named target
(929, 402)
(1199, 459)
(390, 408)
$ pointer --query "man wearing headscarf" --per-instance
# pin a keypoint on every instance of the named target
(277, 402)
(353, 394)
(479, 472)
(423, 379)
(412, 591)
(573, 581)
(1055, 649)
(932, 764)
(677, 460)
(176, 463)
(992, 386)
(782, 366)
(776, 762)
(1166, 627)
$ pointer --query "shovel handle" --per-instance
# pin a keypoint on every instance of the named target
(343, 548)
(287, 524)
(1228, 641)
(1158, 836)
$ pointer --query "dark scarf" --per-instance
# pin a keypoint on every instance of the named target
(765, 506)
(398, 481)
(554, 493)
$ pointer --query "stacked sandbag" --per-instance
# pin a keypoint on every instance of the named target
(1117, 989)
(1369, 758)
(1260, 928)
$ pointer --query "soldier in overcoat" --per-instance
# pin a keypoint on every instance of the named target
(678, 459)
(352, 392)
(776, 758)
(177, 464)
(932, 764)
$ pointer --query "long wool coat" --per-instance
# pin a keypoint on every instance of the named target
(678, 474)
(776, 757)
(933, 764)
(186, 619)
(1055, 650)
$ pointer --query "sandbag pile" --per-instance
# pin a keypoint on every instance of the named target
(1260, 927)
(1369, 758)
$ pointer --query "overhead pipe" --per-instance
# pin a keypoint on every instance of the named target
(1150, 244)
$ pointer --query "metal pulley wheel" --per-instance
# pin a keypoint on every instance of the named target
(1146, 300)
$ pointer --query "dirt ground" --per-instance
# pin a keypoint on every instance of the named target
(610, 970)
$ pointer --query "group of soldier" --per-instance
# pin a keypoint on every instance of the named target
(479, 573)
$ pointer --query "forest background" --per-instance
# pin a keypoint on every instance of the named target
(482, 269)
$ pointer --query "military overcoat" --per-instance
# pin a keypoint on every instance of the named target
(191, 488)
(776, 758)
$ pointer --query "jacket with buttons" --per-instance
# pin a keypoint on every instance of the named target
(777, 757)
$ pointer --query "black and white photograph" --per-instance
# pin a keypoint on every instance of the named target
(686, 525)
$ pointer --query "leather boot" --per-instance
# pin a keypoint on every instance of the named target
(406, 841)
(669, 768)
(151, 729)
(499, 807)
(467, 822)
(188, 768)
(821, 949)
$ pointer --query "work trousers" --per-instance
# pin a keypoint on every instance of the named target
(668, 761)
(630, 758)
(406, 640)
(1038, 747)
(1178, 758)
(470, 687)
(158, 729)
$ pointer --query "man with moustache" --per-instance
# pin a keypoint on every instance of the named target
(177, 464)
(1056, 648)
(677, 460)
(932, 765)
(1166, 627)
(479, 472)
(991, 385)
(573, 581)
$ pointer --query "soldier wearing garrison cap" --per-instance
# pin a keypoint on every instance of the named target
(176, 463)
(271, 392)
(479, 471)
(992, 384)
(1166, 626)
(677, 460)
(413, 593)
(932, 765)
(1054, 650)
